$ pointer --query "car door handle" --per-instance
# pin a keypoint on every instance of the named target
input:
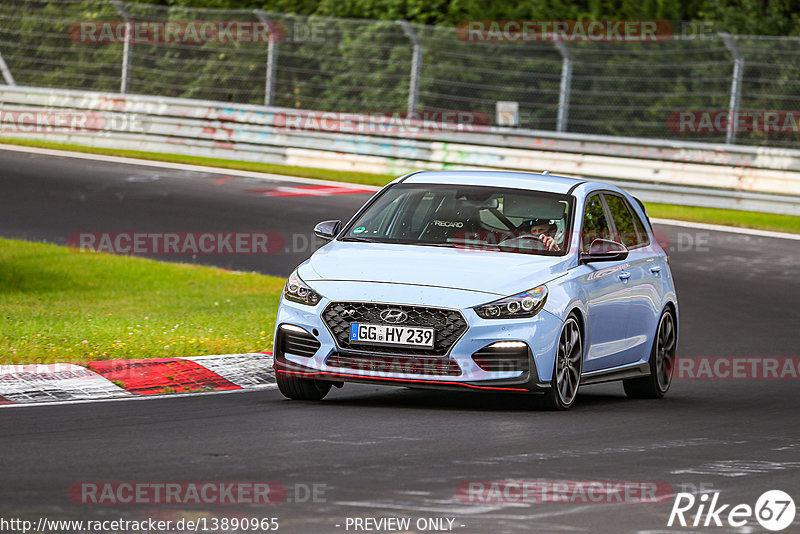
(656, 269)
(624, 275)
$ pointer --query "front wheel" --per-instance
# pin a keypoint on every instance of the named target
(662, 363)
(567, 368)
(302, 388)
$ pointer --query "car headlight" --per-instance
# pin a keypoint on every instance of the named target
(526, 304)
(298, 291)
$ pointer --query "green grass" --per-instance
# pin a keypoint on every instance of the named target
(745, 219)
(58, 305)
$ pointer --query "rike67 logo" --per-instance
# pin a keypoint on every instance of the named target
(774, 510)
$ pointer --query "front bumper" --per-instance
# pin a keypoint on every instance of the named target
(457, 369)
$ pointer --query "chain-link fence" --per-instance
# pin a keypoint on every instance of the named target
(683, 87)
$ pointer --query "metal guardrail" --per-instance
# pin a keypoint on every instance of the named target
(699, 174)
(584, 83)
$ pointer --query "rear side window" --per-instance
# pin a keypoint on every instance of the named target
(595, 225)
(630, 230)
(641, 229)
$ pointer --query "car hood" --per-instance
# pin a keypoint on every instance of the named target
(491, 272)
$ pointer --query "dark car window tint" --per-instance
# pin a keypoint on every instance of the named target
(623, 221)
(457, 216)
(644, 237)
(595, 225)
(629, 228)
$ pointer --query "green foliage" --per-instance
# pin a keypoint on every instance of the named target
(748, 17)
(360, 61)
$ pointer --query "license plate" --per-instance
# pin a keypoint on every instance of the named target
(414, 336)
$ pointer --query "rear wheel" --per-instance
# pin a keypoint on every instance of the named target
(662, 363)
(302, 388)
(567, 368)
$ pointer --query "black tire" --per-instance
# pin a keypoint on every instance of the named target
(662, 362)
(567, 367)
(302, 388)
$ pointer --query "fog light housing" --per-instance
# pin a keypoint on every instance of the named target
(503, 356)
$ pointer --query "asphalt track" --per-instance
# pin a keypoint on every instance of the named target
(382, 452)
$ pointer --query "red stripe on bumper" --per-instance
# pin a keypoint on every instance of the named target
(402, 380)
(3, 400)
(161, 375)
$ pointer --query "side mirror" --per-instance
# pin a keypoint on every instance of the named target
(604, 250)
(327, 230)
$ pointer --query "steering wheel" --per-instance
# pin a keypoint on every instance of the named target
(539, 244)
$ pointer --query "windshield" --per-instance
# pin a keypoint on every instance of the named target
(508, 220)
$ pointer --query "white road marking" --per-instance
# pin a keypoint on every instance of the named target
(43, 385)
(141, 397)
(182, 166)
(54, 382)
(246, 370)
(729, 229)
(285, 178)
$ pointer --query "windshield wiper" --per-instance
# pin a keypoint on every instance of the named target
(419, 243)
(359, 239)
(424, 244)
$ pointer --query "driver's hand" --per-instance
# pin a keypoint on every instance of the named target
(549, 242)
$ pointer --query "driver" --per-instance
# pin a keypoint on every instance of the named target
(544, 230)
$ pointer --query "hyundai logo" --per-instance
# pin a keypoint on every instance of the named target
(394, 316)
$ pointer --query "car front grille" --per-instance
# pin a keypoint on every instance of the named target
(450, 325)
(414, 365)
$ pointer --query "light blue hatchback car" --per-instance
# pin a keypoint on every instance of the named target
(494, 281)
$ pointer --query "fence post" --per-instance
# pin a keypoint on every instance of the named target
(736, 86)
(7, 76)
(416, 65)
(272, 60)
(127, 50)
(566, 86)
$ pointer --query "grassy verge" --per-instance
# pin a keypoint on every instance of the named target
(57, 305)
(744, 219)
